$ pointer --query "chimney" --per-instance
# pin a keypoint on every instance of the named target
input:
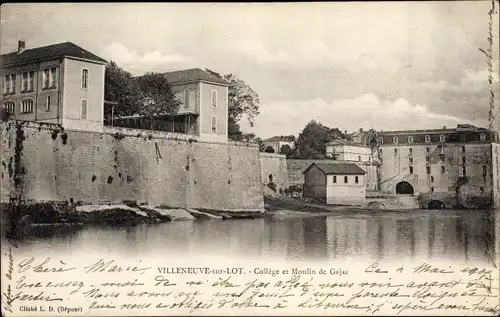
(345, 132)
(21, 45)
(444, 127)
(360, 129)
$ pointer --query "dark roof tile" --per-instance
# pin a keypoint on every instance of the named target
(48, 52)
(193, 75)
(339, 168)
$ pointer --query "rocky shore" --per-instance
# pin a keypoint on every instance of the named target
(57, 213)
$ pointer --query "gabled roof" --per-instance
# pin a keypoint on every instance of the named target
(338, 168)
(193, 75)
(285, 138)
(54, 51)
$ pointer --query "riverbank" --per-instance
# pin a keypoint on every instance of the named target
(23, 216)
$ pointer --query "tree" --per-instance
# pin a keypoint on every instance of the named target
(243, 100)
(313, 139)
(262, 146)
(120, 87)
(269, 149)
(158, 97)
(285, 149)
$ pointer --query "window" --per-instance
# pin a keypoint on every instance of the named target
(395, 151)
(27, 106)
(482, 137)
(427, 149)
(428, 169)
(49, 78)
(334, 179)
(484, 170)
(442, 157)
(432, 189)
(345, 179)
(380, 151)
(410, 150)
(85, 78)
(411, 169)
(481, 189)
(411, 160)
(9, 106)
(464, 171)
(427, 138)
(443, 169)
(214, 124)
(380, 141)
(359, 158)
(427, 159)
(463, 149)
(441, 149)
(27, 81)
(186, 98)
(84, 109)
(442, 138)
(46, 78)
(395, 140)
(9, 84)
(356, 180)
(432, 179)
(48, 103)
(463, 160)
(410, 139)
(214, 98)
(462, 138)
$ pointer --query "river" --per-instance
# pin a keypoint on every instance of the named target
(422, 235)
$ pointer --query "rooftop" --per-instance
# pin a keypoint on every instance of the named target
(66, 49)
(286, 138)
(345, 142)
(339, 168)
(460, 127)
(192, 75)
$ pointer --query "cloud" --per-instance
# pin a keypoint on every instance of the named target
(150, 61)
(306, 54)
(365, 111)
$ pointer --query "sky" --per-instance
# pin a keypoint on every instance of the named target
(388, 66)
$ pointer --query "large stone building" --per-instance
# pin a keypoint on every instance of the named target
(60, 83)
(453, 166)
(447, 166)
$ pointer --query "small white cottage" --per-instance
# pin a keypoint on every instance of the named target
(336, 183)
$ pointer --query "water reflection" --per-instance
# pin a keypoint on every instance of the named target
(425, 235)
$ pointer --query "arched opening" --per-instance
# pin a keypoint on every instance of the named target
(435, 204)
(404, 188)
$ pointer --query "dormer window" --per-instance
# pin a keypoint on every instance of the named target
(442, 138)
(482, 137)
(427, 138)
(395, 140)
(380, 141)
(410, 139)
